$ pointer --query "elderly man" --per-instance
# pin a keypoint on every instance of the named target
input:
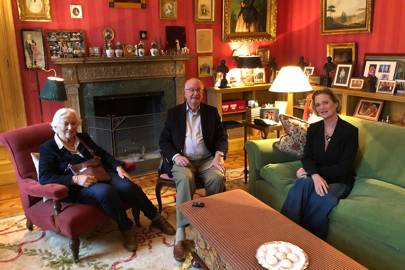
(193, 143)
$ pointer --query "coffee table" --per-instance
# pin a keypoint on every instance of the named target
(232, 225)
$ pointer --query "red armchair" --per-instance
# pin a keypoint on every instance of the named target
(70, 220)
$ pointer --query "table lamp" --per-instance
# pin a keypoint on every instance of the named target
(290, 80)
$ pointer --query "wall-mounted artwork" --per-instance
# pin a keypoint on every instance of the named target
(76, 12)
(34, 52)
(204, 40)
(66, 43)
(342, 53)
(204, 66)
(204, 11)
(168, 9)
(249, 20)
(39, 10)
(127, 3)
(346, 16)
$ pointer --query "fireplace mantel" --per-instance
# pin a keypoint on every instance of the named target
(76, 71)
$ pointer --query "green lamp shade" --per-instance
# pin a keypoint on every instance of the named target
(54, 89)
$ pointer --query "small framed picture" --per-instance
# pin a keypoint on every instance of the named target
(400, 87)
(386, 87)
(259, 75)
(38, 10)
(383, 70)
(308, 71)
(204, 66)
(369, 109)
(34, 51)
(127, 3)
(76, 12)
(269, 113)
(168, 9)
(264, 54)
(204, 11)
(342, 53)
(204, 40)
(66, 43)
(342, 75)
(356, 83)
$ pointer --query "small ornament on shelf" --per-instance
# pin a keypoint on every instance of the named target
(154, 50)
(141, 48)
(118, 49)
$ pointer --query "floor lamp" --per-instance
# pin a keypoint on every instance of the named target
(290, 80)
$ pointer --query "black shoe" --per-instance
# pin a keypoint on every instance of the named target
(163, 225)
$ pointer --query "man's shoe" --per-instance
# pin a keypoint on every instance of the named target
(130, 240)
(179, 251)
(164, 226)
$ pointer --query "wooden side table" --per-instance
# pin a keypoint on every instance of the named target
(265, 132)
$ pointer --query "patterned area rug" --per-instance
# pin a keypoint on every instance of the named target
(102, 249)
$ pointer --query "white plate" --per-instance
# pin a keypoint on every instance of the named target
(276, 255)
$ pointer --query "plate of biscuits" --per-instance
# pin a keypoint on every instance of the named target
(280, 255)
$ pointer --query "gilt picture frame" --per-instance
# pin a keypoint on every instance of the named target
(264, 54)
(205, 66)
(35, 11)
(127, 3)
(34, 48)
(238, 25)
(204, 42)
(168, 9)
(346, 16)
(342, 53)
(204, 11)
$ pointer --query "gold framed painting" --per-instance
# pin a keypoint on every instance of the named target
(249, 20)
(346, 16)
(204, 66)
(204, 11)
(168, 9)
(39, 10)
(342, 53)
(204, 40)
(127, 3)
(264, 54)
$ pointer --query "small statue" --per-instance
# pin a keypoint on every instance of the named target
(328, 69)
(273, 67)
(223, 70)
(301, 63)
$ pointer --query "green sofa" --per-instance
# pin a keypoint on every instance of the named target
(368, 225)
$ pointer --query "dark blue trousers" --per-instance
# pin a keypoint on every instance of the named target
(113, 196)
(305, 207)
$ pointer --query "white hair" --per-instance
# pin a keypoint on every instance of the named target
(62, 114)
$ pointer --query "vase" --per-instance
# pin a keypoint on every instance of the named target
(141, 51)
(109, 52)
(118, 52)
(154, 52)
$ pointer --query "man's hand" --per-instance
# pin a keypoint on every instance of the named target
(84, 180)
(182, 161)
(301, 173)
(218, 162)
(122, 173)
(321, 186)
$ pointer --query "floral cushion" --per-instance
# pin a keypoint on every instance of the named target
(293, 141)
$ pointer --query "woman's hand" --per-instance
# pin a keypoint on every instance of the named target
(301, 173)
(122, 173)
(84, 180)
(321, 186)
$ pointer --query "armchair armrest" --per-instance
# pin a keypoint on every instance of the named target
(129, 165)
(51, 191)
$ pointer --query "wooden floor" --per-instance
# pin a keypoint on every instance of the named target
(10, 203)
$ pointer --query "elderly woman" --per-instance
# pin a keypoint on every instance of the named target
(327, 174)
(68, 148)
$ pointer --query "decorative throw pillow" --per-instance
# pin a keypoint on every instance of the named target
(35, 159)
(293, 141)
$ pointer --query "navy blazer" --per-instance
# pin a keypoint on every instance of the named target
(53, 162)
(336, 163)
(173, 134)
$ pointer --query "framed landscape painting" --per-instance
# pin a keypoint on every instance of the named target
(346, 16)
(249, 20)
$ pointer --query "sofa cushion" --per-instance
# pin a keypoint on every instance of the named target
(280, 175)
(295, 135)
(376, 208)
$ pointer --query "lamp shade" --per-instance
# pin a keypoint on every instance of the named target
(290, 79)
(54, 89)
(249, 62)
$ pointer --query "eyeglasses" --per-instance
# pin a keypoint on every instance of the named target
(194, 90)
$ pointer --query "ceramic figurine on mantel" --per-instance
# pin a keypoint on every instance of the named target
(154, 49)
(109, 51)
(118, 49)
(141, 48)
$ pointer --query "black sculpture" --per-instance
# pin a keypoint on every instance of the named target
(328, 69)
(223, 69)
(301, 63)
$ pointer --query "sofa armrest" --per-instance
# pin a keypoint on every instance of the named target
(51, 191)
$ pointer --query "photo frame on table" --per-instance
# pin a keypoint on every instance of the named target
(399, 87)
(168, 9)
(205, 66)
(332, 21)
(356, 83)
(76, 11)
(269, 113)
(308, 71)
(36, 11)
(398, 58)
(264, 54)
(383, 70)
(342, 75)
(369, 109)
(34, 48)
(204, 42)
(386, 87)
(127, 3)
(234, 27)
(342, 53)
(66, 43)
(204, 11)
(259, 75)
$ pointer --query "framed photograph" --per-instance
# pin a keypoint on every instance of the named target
(259, 75)
(66, 43)
(356, 83)
(383, 70)
(127, 3)
(34, 49)
(346, 16)
(76, 12)
(204, 66)
(386, 87)
(400, 87)
(204, 11)
(238, 24)
(204, 40)
(38, 11)
(108, 34)
(264, 54)
(269, 113)
(369, 109)
(342, 53)
(168, 9)
(308, 71)
(342, 75)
